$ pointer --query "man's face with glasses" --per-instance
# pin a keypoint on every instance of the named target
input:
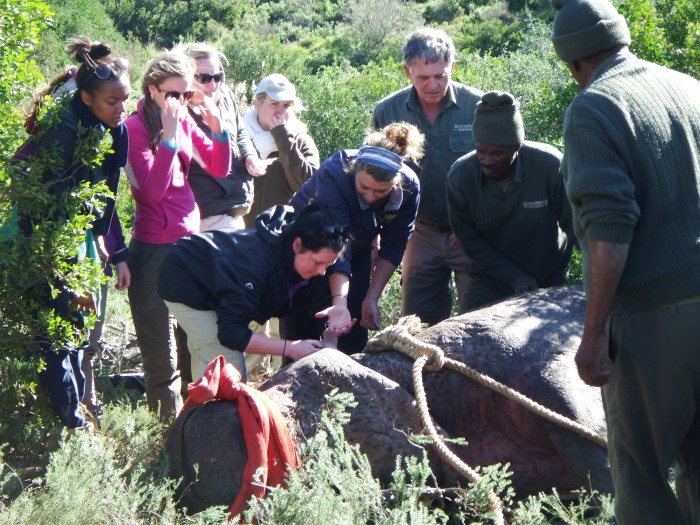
(207, 79)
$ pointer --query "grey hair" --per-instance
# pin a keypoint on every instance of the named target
(430, 45)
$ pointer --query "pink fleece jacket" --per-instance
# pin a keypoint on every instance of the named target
(165, 205)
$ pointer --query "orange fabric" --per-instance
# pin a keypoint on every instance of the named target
(264, 428)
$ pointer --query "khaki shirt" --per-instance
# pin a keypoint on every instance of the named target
(448, 139)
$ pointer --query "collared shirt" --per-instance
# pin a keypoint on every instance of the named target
(504, 187)
(447, 139)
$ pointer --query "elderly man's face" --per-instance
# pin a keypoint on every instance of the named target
(431, 80)
(496, 161)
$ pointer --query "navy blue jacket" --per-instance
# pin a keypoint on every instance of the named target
(333, 186)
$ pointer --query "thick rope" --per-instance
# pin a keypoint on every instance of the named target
(399, 338)
(432, 358)
(439, 444)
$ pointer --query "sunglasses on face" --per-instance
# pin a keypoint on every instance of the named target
(205, 78)
(104, 70)
(182, 97)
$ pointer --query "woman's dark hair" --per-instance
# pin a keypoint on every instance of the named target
(97, 64)
(56, 87)
(317, 229)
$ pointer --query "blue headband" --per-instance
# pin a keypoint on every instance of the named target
(381, 158)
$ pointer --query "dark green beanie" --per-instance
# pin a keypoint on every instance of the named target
(497, 120)
(584, 27)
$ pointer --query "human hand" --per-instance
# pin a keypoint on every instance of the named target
(279, 119)
(371, 315)
(454, 242)
(210, 114)
(298, 349)
(101, 248)
(256, 166)
(86, 303)
(172, 113)
(592, 368)
(525, 284)
(123, 276)
(340, 320)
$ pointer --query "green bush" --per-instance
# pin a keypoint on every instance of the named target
(20, 24)
(252, 56)
(31, 266)
(491, 28)
(533, 74)
(340, 102)
(116, 477)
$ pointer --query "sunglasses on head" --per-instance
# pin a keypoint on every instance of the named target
(182, 97)
(205, 78)
(330, 232)
(106, 69)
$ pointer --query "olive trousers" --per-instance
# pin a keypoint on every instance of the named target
(652, 407)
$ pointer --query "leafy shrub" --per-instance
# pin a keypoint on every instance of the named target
(20, 24)
(533, 74)
(115, 477)
(252, 56)
(31, 267)
(340, 102)
(438, 11)
(167, 23)
(491, 28)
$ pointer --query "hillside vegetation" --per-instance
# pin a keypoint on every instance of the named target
(344, 56)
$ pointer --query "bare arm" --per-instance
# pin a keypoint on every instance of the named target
(605, 263)
(371, 315)
(259, 344)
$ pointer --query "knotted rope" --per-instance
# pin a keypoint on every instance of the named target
(425, 355)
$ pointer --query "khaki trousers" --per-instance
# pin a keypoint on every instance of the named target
(202, 339)
(426, 278)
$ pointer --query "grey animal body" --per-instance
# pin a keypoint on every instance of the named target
(527, 342)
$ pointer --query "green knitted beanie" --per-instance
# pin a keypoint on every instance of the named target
(584, 27)
(497, 120)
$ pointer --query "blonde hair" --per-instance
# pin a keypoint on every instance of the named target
(200, 50)
(164, 66)
(400, 137)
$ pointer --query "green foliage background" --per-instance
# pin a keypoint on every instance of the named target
(344, 56)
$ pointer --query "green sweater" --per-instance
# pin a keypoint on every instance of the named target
(528, 230)
(446, 140)
(632, 171)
